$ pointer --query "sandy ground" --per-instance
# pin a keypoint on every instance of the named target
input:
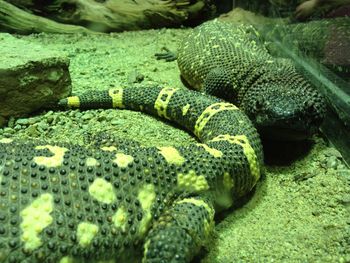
(300, 210)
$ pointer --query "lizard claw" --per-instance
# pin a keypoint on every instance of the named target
(167, 55)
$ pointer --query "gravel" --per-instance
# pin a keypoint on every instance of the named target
(297, 213)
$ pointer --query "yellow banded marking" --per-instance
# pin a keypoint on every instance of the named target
(35, 218)
(208, 224)
(85, 233)
(192, 182)
(123, 160)
(248, 151)
(146, 248)
(117, 97)
(146, 196)
(208, 113)
(171, 155)
(91, 161)
(52, 161)
(214, 152)
(67, 259)
(102, 191)
(162, 101)
(73, 101)
(109, 148)
(228, 181)
(6, 140)
(185, 109)
(119, 218)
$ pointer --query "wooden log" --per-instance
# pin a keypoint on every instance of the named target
(115, 15)
(16, 20)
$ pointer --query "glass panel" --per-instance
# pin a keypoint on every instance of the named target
(316, 35)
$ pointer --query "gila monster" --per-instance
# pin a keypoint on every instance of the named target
(65, 203)
(231, 62)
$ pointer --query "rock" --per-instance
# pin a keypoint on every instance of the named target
(42, 126)
(87, 116)
(8, 130)
(23, 121)
(11, 122)
(50, 119)
(242, 16)
(31, 76)
(32, 131)
(332, 162)
(116, 122)
(17, 127)
(135, 77)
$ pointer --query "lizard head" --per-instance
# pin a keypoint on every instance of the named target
(284, 113)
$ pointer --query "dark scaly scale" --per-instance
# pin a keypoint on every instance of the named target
(177, 226)
(232, 62)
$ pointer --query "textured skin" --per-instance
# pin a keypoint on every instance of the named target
(229, 61)
(66, 203)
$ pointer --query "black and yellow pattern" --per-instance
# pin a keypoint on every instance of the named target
(66, 203)
(231, 62)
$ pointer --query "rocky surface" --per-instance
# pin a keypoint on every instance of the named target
(31, 76)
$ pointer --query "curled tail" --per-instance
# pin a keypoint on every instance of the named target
(221, 127)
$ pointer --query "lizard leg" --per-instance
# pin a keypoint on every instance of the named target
(167, 55)
(219, 83)
(179, 232)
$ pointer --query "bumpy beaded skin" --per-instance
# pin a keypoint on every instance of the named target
(231, 62)
(118, 202)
